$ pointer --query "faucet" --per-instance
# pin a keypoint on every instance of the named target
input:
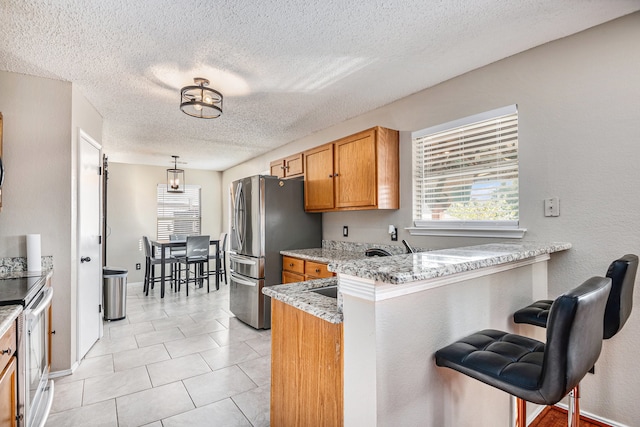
(410, 250)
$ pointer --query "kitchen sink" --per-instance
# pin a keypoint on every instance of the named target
(329, 291)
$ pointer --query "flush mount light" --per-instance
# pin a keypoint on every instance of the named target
(175, 178)
(201, 101)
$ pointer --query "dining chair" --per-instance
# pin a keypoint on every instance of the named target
(149, 266)
(222, 256)
(197, 256)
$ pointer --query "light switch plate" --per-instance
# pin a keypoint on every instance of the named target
(552, 206)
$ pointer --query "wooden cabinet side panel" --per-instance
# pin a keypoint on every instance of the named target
(318, 182)
(9, 395)
(388, 164)
(355, 164)
(306, 369)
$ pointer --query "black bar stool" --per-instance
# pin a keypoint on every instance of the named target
(529, 369)
(622, 273)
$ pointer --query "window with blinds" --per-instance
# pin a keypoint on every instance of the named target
(466, 172)
(178, 213)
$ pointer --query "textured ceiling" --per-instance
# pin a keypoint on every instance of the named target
(287, 68)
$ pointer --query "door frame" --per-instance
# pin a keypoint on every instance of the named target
(82, 135)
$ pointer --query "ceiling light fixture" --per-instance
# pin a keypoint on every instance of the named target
(201, 101)
(175, 178)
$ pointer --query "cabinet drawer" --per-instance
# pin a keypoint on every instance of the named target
(295, 265)
(315, 269)
(289, 277)
(7, 342)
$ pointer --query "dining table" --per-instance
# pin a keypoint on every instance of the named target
(164, 244)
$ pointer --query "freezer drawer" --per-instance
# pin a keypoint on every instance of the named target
(246, 265)
(247, 301)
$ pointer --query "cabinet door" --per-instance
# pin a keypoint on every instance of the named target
(8, 395)
(276, 168)
(316, 270)
(293, 166)
(289, 277)
(318, 183)
(355, 168)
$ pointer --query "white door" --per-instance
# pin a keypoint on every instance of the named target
(89, 322)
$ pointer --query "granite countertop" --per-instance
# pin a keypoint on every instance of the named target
(298, 295)
(8, 314)
(399, 269)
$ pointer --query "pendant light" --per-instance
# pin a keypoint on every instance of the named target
(201, 101)
(175, 178)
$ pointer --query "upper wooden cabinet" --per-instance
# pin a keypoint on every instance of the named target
(358, 172)
(288, 167)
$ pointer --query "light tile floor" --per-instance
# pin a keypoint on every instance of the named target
(177, 361)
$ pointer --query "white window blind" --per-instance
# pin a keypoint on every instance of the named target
(178, 213)
(466, 172)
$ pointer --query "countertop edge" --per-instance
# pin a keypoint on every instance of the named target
(8, 314)
(297, 295)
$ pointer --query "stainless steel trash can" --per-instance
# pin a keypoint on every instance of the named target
(114, 293)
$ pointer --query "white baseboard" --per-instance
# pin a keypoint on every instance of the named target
(58, 374)
(593, 417)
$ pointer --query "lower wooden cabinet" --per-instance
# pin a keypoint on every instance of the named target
(306, 369)
(8, 379)
(299, 270)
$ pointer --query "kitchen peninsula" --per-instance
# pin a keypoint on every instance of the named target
(396, 311)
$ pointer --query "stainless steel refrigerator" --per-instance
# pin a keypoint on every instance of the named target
(268, 216)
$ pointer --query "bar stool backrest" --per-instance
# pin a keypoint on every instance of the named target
(574, 337)
(623, 275)
(147, 247)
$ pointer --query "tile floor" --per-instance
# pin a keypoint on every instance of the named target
(181, 361)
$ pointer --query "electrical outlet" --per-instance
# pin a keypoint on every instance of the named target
(138, 266)
(552, 206)
(345, 231)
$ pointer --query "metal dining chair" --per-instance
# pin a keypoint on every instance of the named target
(149, 266)
(222, 256)
(197, 256)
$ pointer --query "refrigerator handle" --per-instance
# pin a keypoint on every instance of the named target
(236, 219)
(242, 282)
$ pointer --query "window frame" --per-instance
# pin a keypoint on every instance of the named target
(462, 228)
(162, 195)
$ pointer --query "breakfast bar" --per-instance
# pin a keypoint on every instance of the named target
(396, 311)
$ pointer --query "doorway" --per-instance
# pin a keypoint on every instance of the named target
(89, 322)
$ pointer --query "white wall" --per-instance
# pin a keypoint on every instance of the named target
(579, 132)
(131, 210)
(37, 189)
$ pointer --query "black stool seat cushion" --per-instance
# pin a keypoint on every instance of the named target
(535, 314)
(510, 362)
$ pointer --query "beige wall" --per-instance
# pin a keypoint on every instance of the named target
(579, 131)
(131, 210)
(37, 193)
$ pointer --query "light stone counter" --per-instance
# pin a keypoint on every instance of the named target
(406, 268)
(325, 256)
(8, 314)
(299, 295)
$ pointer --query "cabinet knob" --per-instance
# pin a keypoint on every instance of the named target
(7, 351)
(291, 265)
(317, 270)
(330, 176)
(335, 174)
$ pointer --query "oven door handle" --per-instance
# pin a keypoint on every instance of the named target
(46, 302)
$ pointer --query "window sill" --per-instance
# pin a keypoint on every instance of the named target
(503, 233)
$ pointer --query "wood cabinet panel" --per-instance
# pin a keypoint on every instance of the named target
(316, 270)
(318, 180)
(289, 277)
(289, 167)
(355, 171)
(8, 344)
(295, 265)
(358, 172)
(306, 369)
